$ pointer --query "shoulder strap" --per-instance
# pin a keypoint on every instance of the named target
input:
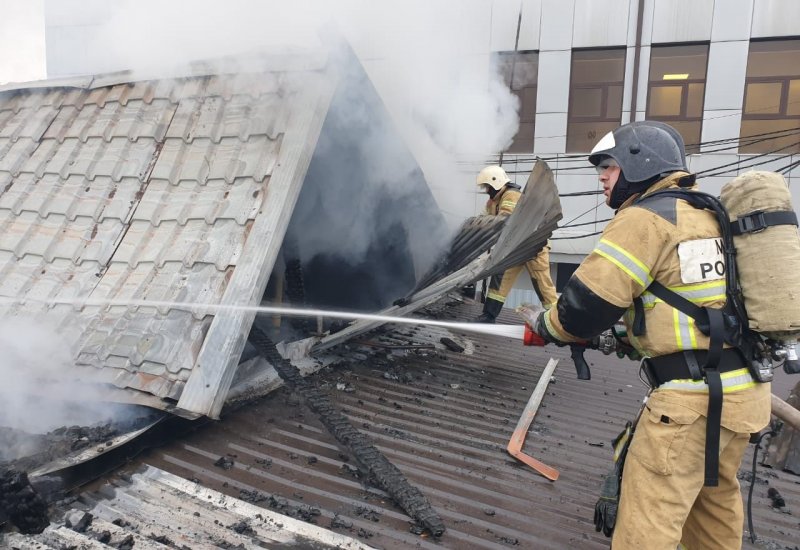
(709, 321)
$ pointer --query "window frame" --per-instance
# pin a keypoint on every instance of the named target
(684, 85)
(783, 107)
(604, 86)
(782, 115)
(518, 92)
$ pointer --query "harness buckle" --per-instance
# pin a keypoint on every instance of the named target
(752, 223)
(649, 373)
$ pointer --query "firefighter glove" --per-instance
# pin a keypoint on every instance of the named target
(625, 350)
(605, 511)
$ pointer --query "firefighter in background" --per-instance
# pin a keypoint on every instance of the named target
(666, 497)
(503, 198)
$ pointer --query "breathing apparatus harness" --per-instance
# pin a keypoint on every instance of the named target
(727, 325)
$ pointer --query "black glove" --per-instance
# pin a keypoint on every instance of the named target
(605, 511)
(625, 350)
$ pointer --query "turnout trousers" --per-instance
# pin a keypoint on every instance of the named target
(663, 501)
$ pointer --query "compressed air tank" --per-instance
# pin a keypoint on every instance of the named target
(767, 258)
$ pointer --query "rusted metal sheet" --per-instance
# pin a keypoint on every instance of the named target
(444, 419)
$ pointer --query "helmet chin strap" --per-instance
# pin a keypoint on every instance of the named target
(491, 191)
(623, 190)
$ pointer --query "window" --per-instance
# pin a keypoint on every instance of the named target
(771, 110)
(595, 98)
(676, 89)
(519, 71)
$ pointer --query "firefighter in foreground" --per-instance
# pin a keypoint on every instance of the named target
(503, 198)
(673, 491)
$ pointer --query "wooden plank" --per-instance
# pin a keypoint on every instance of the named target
(207, 387)
(514, 447)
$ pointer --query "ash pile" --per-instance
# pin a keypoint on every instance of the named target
(38, 466)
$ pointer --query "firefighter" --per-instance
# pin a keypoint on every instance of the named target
(673, 491)
(503, 197)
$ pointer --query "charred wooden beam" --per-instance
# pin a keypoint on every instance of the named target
(386, 474)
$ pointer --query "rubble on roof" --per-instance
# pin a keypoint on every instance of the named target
(152, 508)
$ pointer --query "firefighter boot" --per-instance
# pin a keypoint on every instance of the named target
(491, 309)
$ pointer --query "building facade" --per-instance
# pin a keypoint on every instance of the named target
(725, 73)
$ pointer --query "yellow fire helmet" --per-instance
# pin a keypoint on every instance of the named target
(493, 176)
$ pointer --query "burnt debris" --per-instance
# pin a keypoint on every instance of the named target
(385, 474)
(21, 504)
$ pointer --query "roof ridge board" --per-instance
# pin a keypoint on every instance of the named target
(76, 82)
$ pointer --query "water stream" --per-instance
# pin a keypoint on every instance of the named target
(511, 331)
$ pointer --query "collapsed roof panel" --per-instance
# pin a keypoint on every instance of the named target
(516, 238)
(152, 190)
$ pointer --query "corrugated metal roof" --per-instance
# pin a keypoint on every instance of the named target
(152, 190)
(445, 419)
(155, 509)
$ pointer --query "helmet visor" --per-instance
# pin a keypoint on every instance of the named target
(605, 164)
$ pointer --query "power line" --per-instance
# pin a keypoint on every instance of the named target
(575, 236)
(768, 109)
(788, 168)
(592, 209)
(748, 165)
(581, 193)
(584, 223)
(733, 143)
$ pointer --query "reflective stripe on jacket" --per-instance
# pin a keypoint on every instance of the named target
(504, 202)
(638, 246)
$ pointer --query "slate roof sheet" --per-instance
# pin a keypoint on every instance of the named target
(147, 191)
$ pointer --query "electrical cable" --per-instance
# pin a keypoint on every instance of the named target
(788, 168)
(584, 223)
(740, 166)
(739, 161)
(575, 236)
(752, 484)
(581, 193)
(734, 143)
(748, 140)
(592, 209)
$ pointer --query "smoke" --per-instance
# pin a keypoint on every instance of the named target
(430, 62)
(37, 393)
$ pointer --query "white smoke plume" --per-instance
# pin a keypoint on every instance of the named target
(37, 390)
(430, 62)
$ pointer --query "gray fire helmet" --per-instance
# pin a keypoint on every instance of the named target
(644, 150)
